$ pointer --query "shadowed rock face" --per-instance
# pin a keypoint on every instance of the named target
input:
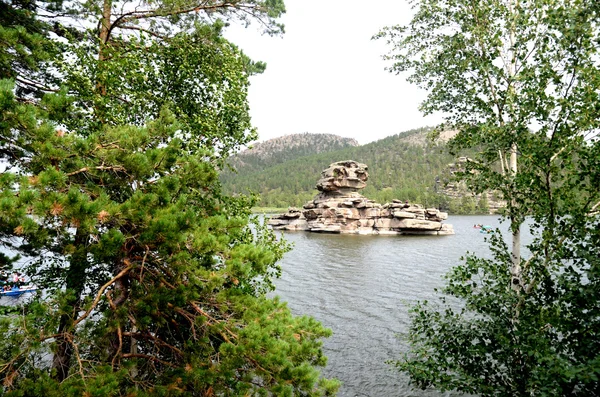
(339, 208)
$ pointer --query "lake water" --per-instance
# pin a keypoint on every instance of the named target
(362, 288)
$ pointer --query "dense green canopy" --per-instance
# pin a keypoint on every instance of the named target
(520, 80)
(152, 281)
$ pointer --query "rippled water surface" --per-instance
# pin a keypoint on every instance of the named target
(362, 288)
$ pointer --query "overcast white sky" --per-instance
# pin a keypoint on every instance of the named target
(326, 75)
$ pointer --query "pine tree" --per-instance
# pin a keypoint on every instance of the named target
(154, 282)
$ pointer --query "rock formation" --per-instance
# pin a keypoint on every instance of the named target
(458, 190)
(339, 208)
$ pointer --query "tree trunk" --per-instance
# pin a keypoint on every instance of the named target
(103, 35)
(104, 28)
(121, 290)
(75, 282)
(515, 224)
(515, 227)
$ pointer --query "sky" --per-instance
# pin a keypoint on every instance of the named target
(326, 75)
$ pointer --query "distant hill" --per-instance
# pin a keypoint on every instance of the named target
(286, 148)
(406, 166)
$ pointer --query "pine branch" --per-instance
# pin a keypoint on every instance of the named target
(35, 84)
(148, 357)
(117, 168)
(593, 211)
(120, 348)
(150, 32)
(99, 294)
(137, 15)
(149, 336)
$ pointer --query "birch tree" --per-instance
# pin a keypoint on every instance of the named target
(520, 82)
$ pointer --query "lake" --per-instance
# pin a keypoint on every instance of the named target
(362, 288)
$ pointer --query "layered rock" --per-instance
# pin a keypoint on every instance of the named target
(458, 191)
(339, 208)
(343, 177)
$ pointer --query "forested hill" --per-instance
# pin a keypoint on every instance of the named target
(405, 166)
(275, 151)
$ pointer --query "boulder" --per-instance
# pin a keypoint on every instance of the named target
(385, 212)
(370, 213)
(346, 175)
(329, 213)
(366, 223)
(419, 213)
(292, 212)
(350, 227)
(329, 204)
(404, 214)
(277, 222)
(312, 213)
(297, 224)
(419, 224)
(348, 213)
(446, 229)
(327, 229)
(388, 223)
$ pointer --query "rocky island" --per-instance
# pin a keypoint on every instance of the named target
(339, 208)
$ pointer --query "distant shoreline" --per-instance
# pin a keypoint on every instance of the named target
(269, 210)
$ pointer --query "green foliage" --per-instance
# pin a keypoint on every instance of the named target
(154, 281)
(25, 50)
(483, 203)
(500, 342)
(519, 80)
(464, 206)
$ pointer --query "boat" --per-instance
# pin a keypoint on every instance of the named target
(18, 291)
(477, 226)
(486, 229)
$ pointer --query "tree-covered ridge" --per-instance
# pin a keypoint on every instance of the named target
(407, 166)
(286, 148)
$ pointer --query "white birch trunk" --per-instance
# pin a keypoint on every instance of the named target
(515, 270)
(516, 229)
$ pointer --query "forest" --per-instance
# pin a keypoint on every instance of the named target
(406, 166)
